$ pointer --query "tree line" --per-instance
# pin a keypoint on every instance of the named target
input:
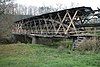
(18, 9)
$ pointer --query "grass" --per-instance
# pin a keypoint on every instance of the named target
(28, 55)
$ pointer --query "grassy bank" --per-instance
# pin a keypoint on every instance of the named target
(28, 55)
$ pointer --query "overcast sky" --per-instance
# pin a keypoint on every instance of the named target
(89, 3)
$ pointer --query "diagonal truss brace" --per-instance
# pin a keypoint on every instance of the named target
(71, 22)
(61, 24)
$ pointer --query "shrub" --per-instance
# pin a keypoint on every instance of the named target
(89, 45)
(7, 40)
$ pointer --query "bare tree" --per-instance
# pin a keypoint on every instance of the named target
(5, 20)
(45, 9)
(30, 10)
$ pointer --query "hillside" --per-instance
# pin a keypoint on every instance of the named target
(28, 55)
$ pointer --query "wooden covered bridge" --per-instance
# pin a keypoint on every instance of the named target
(74, 22)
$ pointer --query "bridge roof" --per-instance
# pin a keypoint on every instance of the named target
(82, 11)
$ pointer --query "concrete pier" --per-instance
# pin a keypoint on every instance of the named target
(34, 40)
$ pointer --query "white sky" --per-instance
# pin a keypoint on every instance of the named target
(89, 3)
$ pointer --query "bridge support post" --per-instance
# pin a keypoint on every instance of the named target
(34, 40)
